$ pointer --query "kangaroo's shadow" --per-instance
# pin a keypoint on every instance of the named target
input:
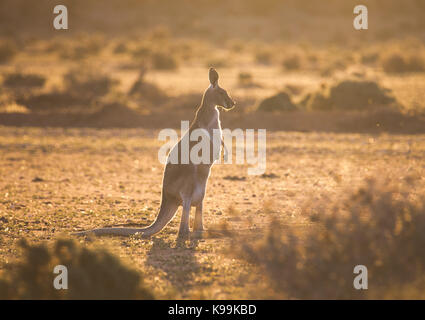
(177, 261)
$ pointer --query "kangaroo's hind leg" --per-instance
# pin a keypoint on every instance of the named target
(184, 223)
(199, 223)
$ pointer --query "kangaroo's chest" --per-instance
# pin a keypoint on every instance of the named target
(214, 124)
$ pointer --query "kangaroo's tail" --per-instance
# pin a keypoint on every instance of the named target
(167, 211)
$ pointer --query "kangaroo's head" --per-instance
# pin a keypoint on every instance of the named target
(215, 95)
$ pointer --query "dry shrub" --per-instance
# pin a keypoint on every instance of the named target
(380, 226)
(120, 48)
(115, 114)
(245, 80)
(264, 56)
(52, 101)
(279, 102)
(369, 58)
(217, 63)
(188, 101)
(292, 62)
(84, 48)
(149, 92)
(92, 274)
(163, 61)
(88, 83)
(349, 95)
(20, 80)
(7, 51)
(400, 63)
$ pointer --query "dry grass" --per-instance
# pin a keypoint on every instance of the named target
(93, 274)
(62, 180)
(380, 226)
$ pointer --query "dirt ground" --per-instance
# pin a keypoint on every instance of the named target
(57, 181)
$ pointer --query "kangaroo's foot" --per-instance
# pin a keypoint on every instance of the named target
(184, 234)
(198, 234)
(198, 227)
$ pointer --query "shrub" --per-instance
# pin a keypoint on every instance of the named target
(7, 51)
(88, 83)
(19, 80)
(163, 61)
(369, 58)
(92, 274)
(216, 63)
(147, 91)
(245, 79)
(279, 102)
(380, 226)
(292, 62)
(263, 57)
(397, 63)
(349, 95)
(52, 101)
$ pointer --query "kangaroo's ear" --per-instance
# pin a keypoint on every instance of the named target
(213, 77)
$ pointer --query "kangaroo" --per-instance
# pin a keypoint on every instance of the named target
(185, 184)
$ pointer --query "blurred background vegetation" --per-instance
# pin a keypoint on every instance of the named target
(125, 63)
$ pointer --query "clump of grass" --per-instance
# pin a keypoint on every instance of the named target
(143, 51)
(292, 62)
(263, 56)
(92, 274)
(147, 91)
(216, 63)
(380, 226)
(163, 61)
(369, 58)
(246, 80)
(21, 80)
(278, 102)
(88, 83)
(53, 101)
(399, 63)
(7, 51)
(348, 95)
(120, 47)
(84, 48)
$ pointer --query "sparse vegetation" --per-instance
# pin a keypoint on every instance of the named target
(279, 102)
(263, 56)
(349, 95)
(88, 83)
(7, 51)
(92, 274)
(164, 61)
(379, 226)
(400, 63)
(20, 80)
(292, 63)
